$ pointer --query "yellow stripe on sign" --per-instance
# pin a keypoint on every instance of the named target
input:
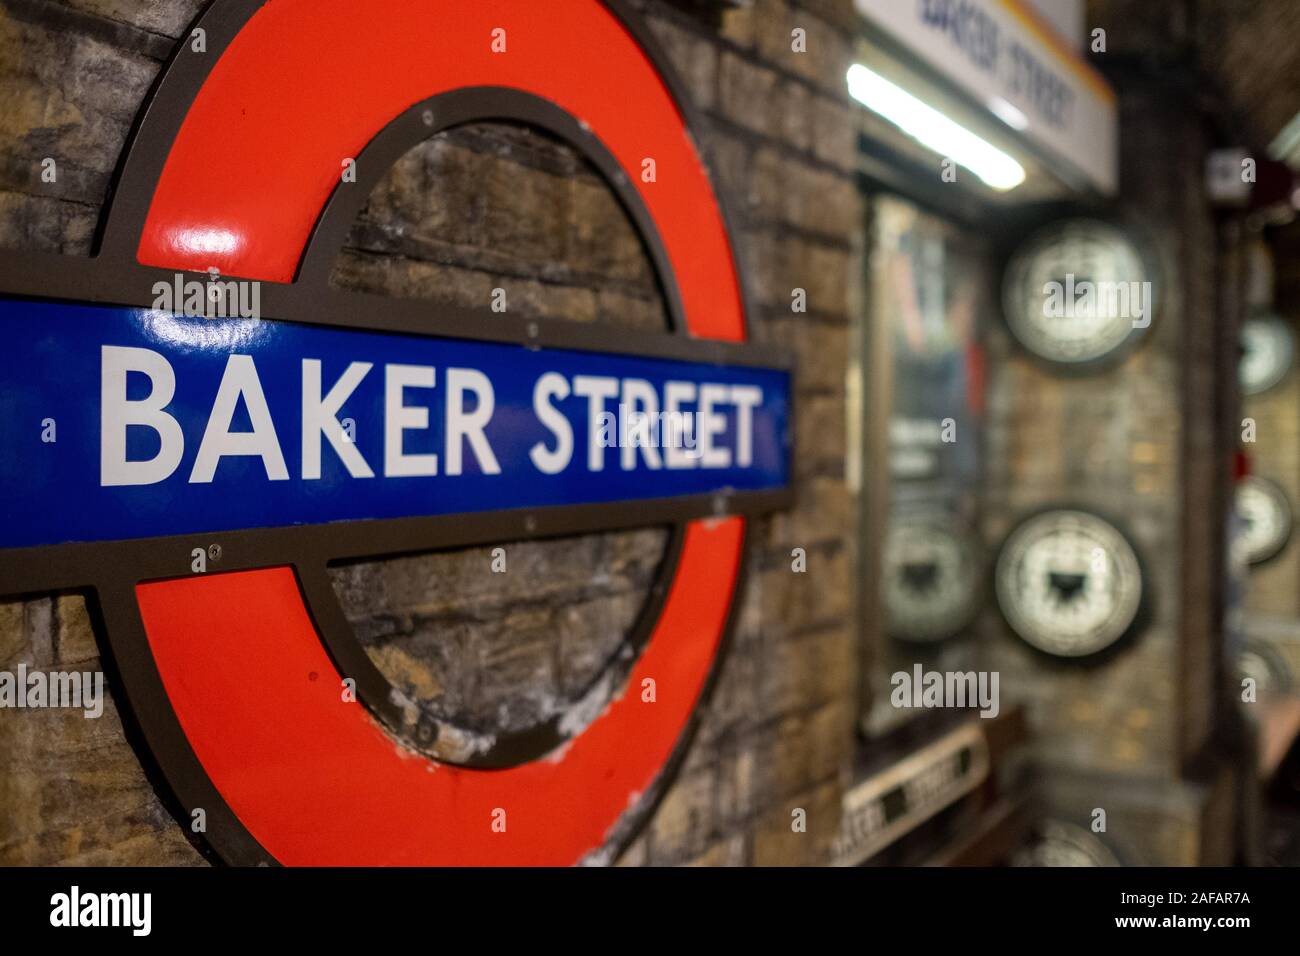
(1032, 21)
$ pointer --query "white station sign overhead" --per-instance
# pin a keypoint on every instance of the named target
(1017, 65)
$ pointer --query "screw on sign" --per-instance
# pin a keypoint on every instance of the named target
(459, 411)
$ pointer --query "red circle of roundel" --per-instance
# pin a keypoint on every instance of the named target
(304, 84)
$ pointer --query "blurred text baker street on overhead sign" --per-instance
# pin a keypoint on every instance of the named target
(1001, 54)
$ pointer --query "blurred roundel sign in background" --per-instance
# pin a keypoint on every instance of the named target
(212, 485)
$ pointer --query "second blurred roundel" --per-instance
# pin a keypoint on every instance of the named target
(1079, 291)
(930, 577)
(1267, 350)
(1069, 583)
(1264, 513)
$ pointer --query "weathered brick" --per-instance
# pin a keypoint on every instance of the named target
(737, 798)
(787, 263)
(777, 844)
(799, 674)
(46, 224)
(684, 821)
(745, 92)
(71, 788)
(820, 424)
(791, 114)
(501, 651)
(821, 201)
(818, 349)
(76, 637)
(822, 514)
(735, 703)
(799, 600)
(840, 13)
(69, 98)
(834, 132)
(738, 25)
(733, 851)
(13, 640)
(774, 26)
(786, 190)
(694, 59)
(636, 854)
(169, 19)
(730, 168)
(765, 197)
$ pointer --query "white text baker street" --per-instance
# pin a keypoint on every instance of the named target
(696, 434)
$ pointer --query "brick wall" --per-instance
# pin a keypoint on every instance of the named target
(484, 207)
(1148, 443)
(72, 77)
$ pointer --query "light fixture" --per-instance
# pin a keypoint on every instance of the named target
(932, 129)
(1008, 113)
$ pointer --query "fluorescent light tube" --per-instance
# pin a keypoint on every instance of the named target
(932, 129)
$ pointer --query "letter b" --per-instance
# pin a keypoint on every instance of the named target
(117, 413)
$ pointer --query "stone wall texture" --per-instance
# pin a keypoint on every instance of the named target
(479, 208)
(1147, 442)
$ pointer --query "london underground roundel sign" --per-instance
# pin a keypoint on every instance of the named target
(202, 479)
